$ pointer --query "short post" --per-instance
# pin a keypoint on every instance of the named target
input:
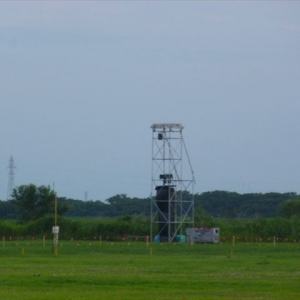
(55, 231)
(191, 240)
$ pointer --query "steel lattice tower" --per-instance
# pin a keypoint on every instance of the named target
(172, 207)
(11, 178)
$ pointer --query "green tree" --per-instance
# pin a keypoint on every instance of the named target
(202, 218)
(33, 202)
(290, 208)
(8, 210)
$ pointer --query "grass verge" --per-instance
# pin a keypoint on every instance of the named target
(94, 270)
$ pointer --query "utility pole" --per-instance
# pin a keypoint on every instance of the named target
(55, 228)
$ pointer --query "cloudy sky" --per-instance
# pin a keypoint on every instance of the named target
(82, 82)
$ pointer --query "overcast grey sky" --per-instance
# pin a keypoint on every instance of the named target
(81, 83)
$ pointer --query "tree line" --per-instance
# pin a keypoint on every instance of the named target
(223, 204)
(249, 217)
(30, 202)
(218, 204)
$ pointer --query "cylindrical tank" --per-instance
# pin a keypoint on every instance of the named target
(165, 196)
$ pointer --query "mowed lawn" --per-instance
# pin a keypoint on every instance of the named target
(123, 270)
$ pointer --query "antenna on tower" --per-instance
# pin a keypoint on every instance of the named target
(11, 178)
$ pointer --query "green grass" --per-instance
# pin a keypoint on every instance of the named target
(94, 270)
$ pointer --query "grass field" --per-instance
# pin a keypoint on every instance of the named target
(94, 270)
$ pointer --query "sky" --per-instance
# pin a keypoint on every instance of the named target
(81, 82)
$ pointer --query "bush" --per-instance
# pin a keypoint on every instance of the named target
(124, 227)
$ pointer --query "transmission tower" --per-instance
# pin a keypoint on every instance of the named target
(11, 178)
(172, 208)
